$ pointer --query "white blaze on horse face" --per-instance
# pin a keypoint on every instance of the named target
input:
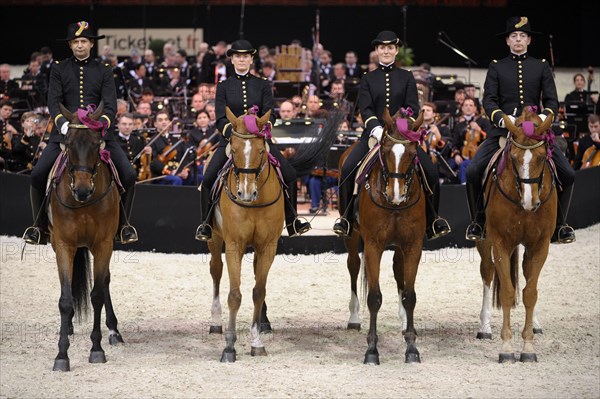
(247, 153)
(525, 172)
(398, 150)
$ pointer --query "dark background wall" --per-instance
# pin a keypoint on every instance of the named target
(166, 217)
(25, 29)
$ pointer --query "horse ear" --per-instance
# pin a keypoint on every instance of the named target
(98, 112)
(231, 118)
(509, 125)
(387, 118)
(417, 124)
(264, 120)
(543, 128)
(65, 112)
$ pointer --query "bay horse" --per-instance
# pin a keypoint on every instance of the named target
(521, 206)
(391, 212)
(84, 217)
(251, 213)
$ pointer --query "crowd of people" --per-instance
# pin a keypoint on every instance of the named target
(166, 118)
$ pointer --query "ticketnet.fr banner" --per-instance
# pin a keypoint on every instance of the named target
(123, 40)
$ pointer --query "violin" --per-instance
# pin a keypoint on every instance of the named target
(591, 158)
(472, 139)
(206, 146)
(433, 141)
(144, 172)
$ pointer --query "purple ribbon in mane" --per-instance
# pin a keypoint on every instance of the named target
(98, 126)
(252, 128)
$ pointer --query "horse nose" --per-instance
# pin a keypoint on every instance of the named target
(83, 194)
(254, 195)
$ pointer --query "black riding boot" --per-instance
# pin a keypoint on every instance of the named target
(343, 226)
(127, 233)
(38, 233)
(564, 234)
(436, 226)
(295, 226)
(475, 230)
(204, 231)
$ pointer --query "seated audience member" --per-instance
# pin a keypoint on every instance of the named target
(583, 159)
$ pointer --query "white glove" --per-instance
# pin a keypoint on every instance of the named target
(543, 117)
(512, 119)
(377, 132)
(64, 128)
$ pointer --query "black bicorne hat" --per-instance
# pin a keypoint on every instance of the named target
(386, 37)
(241, 47)
(81, 29)
(521, 24)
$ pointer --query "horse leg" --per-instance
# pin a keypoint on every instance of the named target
(233, 255)
(263, 258)
(265, 324)
(533, 261)
(374, 299)
(507, 299)
(216, 272)
(114, 336)
(537, 326)
(486, 269)
(412, 256)
(64, 258)
(353, 263)
(399, 277)
(99, 296)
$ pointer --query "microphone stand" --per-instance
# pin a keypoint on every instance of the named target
(469, 60)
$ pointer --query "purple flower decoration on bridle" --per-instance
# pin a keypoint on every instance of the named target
(98, 126)
(252, 128)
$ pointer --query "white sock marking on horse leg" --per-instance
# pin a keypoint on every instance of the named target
(402, 312)
(215, 311)
(354, 308)
(525, 174)
(485, 316)
(255, 337)
(536, 322)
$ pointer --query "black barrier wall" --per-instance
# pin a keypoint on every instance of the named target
(166, 217)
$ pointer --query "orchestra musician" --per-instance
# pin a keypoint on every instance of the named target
(587, 151)
(25, 144)
(8, 132)
(131, 144)
(167, 153)
(468, 133)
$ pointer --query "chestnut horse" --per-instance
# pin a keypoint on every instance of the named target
(84, 216)
(249, 213)
(521, 209)
(391, 212)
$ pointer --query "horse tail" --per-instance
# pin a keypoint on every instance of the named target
(80, 285)
(514, 277)
(315, 153)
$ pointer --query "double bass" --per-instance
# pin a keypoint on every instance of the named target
(591, 157)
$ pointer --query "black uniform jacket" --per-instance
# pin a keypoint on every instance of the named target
(515, 82)
(77, 84)
(240, 93)
(386, 86)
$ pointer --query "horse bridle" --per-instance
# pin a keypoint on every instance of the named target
(386, 175)
(257, 172)
(518, 180)
(93, 171)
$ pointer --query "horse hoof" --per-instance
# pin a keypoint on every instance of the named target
(228, 356)
(215, 330)
(354, 326)
(482, 335)
(266, 328)
(528, 358)
(258, 351)
(61, 365)
(538, 331)
(115, 339)
(506, 358)
(412, 357)
(97, 357)
(372, 358)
